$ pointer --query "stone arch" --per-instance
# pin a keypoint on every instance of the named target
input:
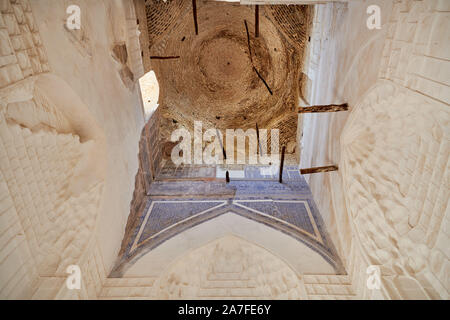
(296, 254)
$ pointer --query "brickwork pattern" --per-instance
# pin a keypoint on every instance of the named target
(45, 228)
(417, 48)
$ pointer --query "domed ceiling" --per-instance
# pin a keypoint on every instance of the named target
(225, 76)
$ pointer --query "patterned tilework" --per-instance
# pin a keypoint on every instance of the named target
(163, 214)
(260, 172)
(287, 207)
(247, 172)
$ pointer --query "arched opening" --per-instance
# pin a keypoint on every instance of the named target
(149, 93)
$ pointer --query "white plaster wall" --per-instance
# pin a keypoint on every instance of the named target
(86, 63)
(411, 149)
(150, 93)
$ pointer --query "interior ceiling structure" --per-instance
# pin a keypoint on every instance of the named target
(214, 79)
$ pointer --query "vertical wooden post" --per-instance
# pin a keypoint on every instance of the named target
(194, 9)
(327, 108)
(248, 41)
(282, 164)
(256, 21)
(227, 177)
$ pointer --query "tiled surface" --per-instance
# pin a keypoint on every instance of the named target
(161, 215)
(174, 207)
(295, 213)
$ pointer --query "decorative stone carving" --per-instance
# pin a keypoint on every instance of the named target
(229, 267)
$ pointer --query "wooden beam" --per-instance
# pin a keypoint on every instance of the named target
(256, 21)
(319, 169)
(282, 165)
(194, 11)
(164, 58)
(326, 108)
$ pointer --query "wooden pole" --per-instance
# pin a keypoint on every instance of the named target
(319, 169)
(264, 81)
(282, 165)
(256, 21)
(248, 41)
(194, 10)
(327, 108)
(164, 58)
